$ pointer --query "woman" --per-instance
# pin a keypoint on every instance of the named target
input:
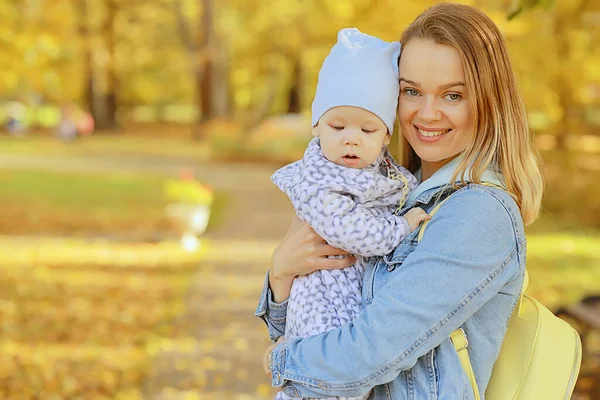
(464, 125)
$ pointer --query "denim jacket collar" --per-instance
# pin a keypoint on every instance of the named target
(443, 177)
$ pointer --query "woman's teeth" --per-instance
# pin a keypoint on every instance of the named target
(434, 133)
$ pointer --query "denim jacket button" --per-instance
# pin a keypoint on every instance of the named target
(390, 268)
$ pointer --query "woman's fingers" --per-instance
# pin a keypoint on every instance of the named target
(322, 261)
(267, 355)
(334, 263)
(303, 251)
(328, 250)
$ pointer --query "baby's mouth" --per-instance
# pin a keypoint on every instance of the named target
(351, 160)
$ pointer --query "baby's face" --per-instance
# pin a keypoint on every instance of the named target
(350, 136)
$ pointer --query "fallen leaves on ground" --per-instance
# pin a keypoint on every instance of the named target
(84, 320)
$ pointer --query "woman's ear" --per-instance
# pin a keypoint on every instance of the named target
(315, 130)
(388, 139)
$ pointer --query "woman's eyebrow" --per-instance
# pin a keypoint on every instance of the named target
(446, 86)
(449, 85)
(410, 82)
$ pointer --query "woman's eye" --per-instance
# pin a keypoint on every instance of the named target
(411, 92)
(453, 96)
(337, 127)
(368, 130)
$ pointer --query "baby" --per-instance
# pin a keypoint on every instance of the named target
(347, 186)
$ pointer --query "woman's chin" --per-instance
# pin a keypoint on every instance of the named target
(435, 157)
(429, 155)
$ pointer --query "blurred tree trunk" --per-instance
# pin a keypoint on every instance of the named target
(88, 76)
(568, 124)
(110, 100)
(563, 128)
(571, 121)
(209, 63)
(221, 94)
(101, 105)
(294, 94)
(205, 78)
(258, 113)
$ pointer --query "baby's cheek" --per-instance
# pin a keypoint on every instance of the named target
(328, 151)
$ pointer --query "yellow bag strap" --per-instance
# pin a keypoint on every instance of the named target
(460, 342)
(459, 337)
(433, 211)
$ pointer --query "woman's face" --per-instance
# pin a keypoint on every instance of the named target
(433, 109)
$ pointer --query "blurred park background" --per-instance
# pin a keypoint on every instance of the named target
(131, 128)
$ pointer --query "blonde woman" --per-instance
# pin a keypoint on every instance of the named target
(464, 128)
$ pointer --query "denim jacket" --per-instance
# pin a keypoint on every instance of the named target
(467, 272)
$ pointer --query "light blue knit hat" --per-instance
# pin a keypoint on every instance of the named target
(360, 71)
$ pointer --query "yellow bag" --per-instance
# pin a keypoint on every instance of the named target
(540, 356)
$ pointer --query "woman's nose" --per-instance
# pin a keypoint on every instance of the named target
(429, 110)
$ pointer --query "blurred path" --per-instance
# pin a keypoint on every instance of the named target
(226, 361)
(226, 364)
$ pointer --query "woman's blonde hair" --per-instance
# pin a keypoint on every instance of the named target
(502, 138)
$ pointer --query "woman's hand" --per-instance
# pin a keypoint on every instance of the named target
(301, 252)
(267, 356)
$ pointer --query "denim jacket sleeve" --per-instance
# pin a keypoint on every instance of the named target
(274, 314)
(470, 250)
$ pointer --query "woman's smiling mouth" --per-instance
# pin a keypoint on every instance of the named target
(430, 134)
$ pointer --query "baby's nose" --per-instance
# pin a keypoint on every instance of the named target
(351, 139)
